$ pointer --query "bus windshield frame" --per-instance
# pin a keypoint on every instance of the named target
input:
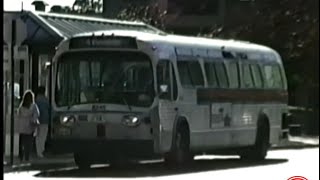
(104, 77)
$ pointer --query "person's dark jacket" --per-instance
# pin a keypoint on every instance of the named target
(44, 108)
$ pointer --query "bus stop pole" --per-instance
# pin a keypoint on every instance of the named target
(50, 97)
(13, 39)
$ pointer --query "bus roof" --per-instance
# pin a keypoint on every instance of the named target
(188, 41)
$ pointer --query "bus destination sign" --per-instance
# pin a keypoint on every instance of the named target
(103, 42)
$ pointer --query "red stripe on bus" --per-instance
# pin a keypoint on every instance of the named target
(241, 95)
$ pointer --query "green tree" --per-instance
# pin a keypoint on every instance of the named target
(60, 9)
(87, 6)
(289, 26)
(150, 14)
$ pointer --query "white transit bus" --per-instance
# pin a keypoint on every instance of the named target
(128, 94)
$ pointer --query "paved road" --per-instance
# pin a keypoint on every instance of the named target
(280, 165)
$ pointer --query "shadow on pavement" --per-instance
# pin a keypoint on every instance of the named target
(155, 169)
(35, 167)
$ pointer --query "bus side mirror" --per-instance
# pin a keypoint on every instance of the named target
(47, 65)
(163, 88)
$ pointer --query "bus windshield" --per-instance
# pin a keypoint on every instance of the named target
(104, 77)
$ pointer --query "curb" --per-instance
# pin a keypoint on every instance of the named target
(7, 167)
(297, 142)
(37, 161)
(296, 146)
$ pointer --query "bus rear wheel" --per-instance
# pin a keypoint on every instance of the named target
(82, 160)
(180, 154)
(260, 149)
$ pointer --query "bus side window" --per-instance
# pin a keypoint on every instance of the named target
(277, 76)
(165, 72)
(233, 72)
(273, 76)
(185, 78)
(211, 74)
(190, 73)
(222, 75)
(247, 76)
(58, 91)
(175, 86)
(257, 77)
(196, 73)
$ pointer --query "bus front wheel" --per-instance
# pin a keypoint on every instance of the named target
(180, 154)
(261, 146)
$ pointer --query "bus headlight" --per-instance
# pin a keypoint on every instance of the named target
(68, 120)
(130, 120)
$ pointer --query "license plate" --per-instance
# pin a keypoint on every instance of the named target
(97, 118)
(64, 131)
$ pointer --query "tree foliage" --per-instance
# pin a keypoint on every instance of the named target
(85, 7)
(150, 14)
(289, 26)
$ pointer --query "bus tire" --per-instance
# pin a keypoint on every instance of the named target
(260, 149)
(81, 161)
(179, 154)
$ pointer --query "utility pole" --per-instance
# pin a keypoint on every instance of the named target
(13, 40)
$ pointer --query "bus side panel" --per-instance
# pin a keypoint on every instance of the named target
(244, 123)
(201, 136)
(206, 131)
(155, 124)
(245, 118)
(274, 113)
(167, 116)
(196, 117)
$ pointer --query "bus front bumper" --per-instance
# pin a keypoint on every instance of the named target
(108, 147)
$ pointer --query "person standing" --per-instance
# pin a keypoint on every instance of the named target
(28, 114)
(44, 108)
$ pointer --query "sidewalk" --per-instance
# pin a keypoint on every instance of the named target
(46, 159)
(295, 142)
(37, 163)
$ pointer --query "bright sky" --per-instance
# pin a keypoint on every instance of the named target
(15, 5)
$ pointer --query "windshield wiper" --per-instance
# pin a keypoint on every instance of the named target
(69, 105)
(125, 101)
